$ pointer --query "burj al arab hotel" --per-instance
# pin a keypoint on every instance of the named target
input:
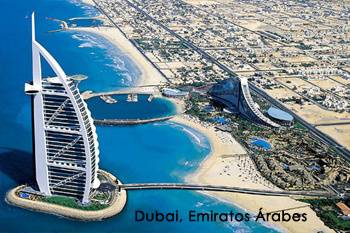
(65, 141)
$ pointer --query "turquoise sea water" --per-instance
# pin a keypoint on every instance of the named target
(159, 152)
(83, 22)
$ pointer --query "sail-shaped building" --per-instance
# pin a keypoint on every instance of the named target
(65, 141)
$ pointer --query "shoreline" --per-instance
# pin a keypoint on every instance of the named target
(229, 156)
(88, 2)
(149, 75)
(225, 151)
(117, 205)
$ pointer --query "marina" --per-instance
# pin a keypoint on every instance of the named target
(142, 108)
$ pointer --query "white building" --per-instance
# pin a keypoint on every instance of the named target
(65, 140)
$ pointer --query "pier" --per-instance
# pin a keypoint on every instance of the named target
(147, 90)
(132, 96)
(79, 18)
(217, 188)
(64, 25)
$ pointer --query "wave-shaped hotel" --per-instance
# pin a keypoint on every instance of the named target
(65, 145)
(235, 95)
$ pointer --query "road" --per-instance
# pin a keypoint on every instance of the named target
(339, 148)
(217, 188)
(324, 138)
(333, 124)
(130, 121)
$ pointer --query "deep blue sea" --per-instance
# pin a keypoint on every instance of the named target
(161, 152)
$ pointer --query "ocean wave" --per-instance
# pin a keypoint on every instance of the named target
(127, 77)
(193, 135)
(196, 136)
(77, 36)
(119, 63)
(88, 9)
(199, 204)
(88, 40)
(160, 123)
(239, 227)
(189, 164)
(86, 45)
(117, 60)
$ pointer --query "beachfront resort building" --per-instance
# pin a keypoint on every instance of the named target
(279, 116)
(174, 93)
(234, 95)
(65, 141)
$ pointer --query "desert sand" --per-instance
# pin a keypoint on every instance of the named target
(340, 133)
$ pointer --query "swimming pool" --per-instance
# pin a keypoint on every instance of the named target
(260, 143)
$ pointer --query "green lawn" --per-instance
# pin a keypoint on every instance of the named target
(298, 125)
(331, 219)
(72, 203)
(327, 212)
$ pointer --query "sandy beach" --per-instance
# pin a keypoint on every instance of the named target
(149, 74)
(88, 2)
(228, 164)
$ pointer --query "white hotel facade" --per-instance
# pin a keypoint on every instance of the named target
(65, 140)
